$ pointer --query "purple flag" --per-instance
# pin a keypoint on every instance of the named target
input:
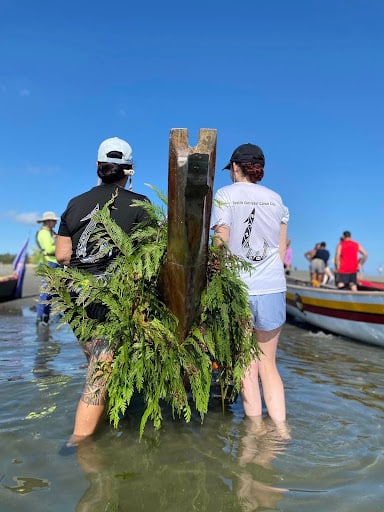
(19, 268)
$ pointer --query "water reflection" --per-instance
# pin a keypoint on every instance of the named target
(184, 468)
(46, 351)
(334, 400)
(25, 485)
(261, 443)
(102, 493)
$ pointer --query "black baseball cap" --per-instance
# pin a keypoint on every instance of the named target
(247, 153)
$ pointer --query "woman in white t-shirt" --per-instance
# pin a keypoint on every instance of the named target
(252, 220)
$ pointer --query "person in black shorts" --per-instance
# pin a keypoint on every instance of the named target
(319, 263)
(75, 247)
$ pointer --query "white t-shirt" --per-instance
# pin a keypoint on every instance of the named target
(253, 214)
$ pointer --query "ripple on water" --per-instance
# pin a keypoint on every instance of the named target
(334, 461)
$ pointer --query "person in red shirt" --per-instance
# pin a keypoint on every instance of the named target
(347, 261)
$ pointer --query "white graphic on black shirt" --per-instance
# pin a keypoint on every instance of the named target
(81, 249)
(251, 254)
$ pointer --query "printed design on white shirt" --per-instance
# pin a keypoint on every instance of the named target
(250, 253)
(81, 249)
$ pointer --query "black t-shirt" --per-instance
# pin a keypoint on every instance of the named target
(77, 223)
(322, 254)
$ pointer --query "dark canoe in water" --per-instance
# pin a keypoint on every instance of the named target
(11, 286)
(8, 285)
(184, 274)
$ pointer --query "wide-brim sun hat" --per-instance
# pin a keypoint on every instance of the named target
(48, 216)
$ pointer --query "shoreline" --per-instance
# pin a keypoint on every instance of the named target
(31, 286)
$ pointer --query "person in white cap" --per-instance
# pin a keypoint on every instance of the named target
(46, 242)
(76, 248)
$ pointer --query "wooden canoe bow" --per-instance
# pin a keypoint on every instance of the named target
(190, 189)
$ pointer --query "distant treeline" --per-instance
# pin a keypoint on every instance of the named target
(8, 258)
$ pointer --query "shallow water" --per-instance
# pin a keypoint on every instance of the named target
(334, 462)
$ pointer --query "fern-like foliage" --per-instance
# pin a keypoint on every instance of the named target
(149, 358)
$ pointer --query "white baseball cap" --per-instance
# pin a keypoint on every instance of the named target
(112, 145)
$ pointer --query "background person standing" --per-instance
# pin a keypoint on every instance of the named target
(347, 262)
(76, 248)
(288, 258)
(46, 242)
(252, 221)
(319, 263)
(309, 255)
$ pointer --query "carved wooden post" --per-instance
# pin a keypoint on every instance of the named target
(190, 187)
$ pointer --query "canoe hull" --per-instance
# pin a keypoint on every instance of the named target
(8, 288)
(11, 286)
(357, 315)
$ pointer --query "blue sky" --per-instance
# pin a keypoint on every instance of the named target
(302, 79)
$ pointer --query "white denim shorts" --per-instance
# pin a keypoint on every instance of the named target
(269, 310)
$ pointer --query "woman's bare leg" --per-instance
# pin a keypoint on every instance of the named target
(250, 391)
(273, 388)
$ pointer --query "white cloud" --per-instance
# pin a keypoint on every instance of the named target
(25, 92)
(35, 170)
(27, 218)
